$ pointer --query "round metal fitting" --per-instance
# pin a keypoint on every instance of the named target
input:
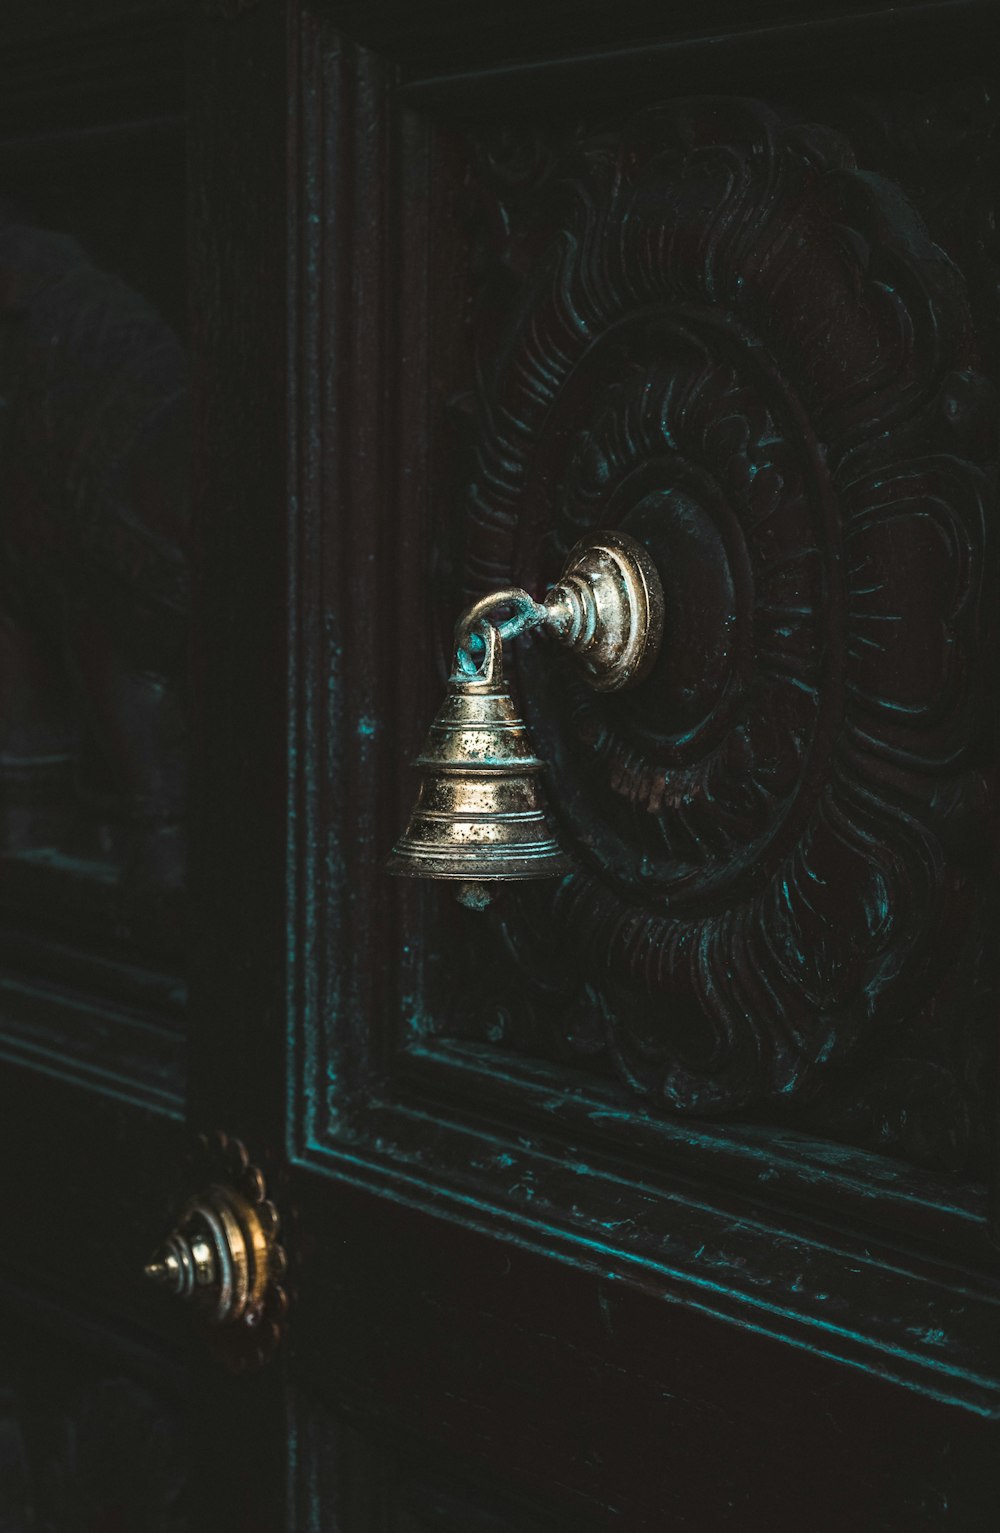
(223, 1257)
(607, 609)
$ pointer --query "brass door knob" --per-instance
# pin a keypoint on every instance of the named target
(223, 1256)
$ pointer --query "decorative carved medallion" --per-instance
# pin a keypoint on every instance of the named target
(720, 334)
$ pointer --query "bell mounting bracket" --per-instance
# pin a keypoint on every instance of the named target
(606, 609)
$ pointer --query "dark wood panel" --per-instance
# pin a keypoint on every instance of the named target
(522, 1297)
(93, 1371)
(90, 986)
(95, 1183)
(880, 1303)
(71, 169)
(363, 1478)
(240, 308)
(476, 1137)
(506, 35)
(360, 214)
(120, 190)
(564, 72)
(94, 1424)
(797, 1175)
(75, 64)
(591, 1393)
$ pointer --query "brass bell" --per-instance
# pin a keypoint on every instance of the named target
(480, 815)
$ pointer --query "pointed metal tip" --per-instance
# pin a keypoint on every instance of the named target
(163, 1269)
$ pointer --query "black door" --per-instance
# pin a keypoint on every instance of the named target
(652, 1196)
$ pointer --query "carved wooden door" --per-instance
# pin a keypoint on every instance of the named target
(659, 1195)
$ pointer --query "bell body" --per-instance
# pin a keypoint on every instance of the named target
(480, 814)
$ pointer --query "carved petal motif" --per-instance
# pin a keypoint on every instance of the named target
(731, 342)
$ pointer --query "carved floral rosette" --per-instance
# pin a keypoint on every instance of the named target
(728, 340)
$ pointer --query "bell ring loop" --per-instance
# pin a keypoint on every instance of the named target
(485, 666)
(524, 613)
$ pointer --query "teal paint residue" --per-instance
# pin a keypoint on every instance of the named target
(417, 1022)
(367, 727)
(576, 1249)
(932, 1337)
(878, 908)
(604, 1304)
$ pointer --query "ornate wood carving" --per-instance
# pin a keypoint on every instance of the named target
(712, 326)
(479, 1143)
(94, 472)
(943, 146)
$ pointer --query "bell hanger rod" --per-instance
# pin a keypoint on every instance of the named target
(606, 609)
